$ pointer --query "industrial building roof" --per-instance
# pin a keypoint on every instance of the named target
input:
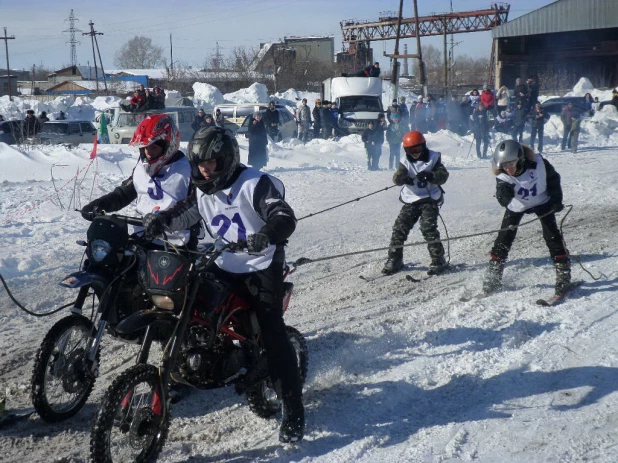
(562, 16)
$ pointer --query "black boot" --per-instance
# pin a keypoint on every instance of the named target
(563, 276)
(393, 264)
(493, 276)
(293, 422)
(438, 265)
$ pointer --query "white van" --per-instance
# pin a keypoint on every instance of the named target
(123, 124)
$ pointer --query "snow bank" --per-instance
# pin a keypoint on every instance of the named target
(206, 96)
(256, 93)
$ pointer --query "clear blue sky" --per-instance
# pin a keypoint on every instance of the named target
(196, 26)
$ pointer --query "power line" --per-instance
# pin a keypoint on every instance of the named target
(93, 37)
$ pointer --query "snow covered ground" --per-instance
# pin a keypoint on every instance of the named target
(399, 371)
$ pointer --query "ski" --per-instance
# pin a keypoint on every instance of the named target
(430, 273)
(555, 299)
(371, 278)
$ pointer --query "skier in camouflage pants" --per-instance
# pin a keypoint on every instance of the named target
(420, 173)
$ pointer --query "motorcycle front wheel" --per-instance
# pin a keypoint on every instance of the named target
(262, 398)
(129, 425)
(61, 383)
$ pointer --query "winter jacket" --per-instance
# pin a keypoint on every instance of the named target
(393, 109)
(519, 117)
(395, 133)
(316, 116)
(304, 115)
(479, 123)
(503, 96)
(197, 122)
(271, 117)
(566, 117)
(31, 126)
(537, 118)
(487, 98)
(379, 130)
(219, 119)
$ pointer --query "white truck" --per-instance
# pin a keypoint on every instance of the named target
(359, 100)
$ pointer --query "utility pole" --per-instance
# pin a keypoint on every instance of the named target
(6, 39)
(394, 56)
(93, 37)
(32, 85)
(72, 40)
(171, 56)
(421, 65)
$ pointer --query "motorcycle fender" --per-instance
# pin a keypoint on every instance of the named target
(141, 320)
(83, 278)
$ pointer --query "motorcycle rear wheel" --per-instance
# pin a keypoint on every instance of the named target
(262, 398)
(61, 383)
(128, 426)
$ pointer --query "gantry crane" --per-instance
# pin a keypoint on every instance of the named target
(357, 33)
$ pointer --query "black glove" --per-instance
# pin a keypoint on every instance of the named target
(92, 209)
(154, 224)
(425, 176)
(257, 242)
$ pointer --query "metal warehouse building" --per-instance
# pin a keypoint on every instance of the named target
(560, 43)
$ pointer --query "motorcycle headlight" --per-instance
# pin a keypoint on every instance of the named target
(99, 249)
(163, 302)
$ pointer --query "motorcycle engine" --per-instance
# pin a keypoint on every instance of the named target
(131, 298)
(206, 367)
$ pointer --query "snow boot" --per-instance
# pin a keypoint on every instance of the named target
(438, 265)
(293, 422)
(493, 276)
(393, 265)
(563, 276)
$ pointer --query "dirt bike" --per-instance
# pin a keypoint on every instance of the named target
(66, 365)
(215, 343)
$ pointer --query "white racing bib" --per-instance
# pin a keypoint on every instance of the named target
(230, 214)
(420, 190)
(530, 187)
(162, 192)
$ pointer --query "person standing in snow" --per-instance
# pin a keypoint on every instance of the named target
(405, 113)
(258, 142)
(567, 119)
(394, 137)
(304, 121)
(271, 121)
(519, 121)
(31, 125)
(504, 98)
(230, 192)
(317, 118)
(368, 140)
(574, 134)
(480, 128)
(326, 120)
(421, 173)
(537, 126)
(526, 183)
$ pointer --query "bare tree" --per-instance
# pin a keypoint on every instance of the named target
(139, 53)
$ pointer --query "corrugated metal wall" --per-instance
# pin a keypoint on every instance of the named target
(563, 16)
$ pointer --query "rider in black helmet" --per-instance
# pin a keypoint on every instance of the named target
(240, 203)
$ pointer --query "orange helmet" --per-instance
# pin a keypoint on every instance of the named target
(413, 139)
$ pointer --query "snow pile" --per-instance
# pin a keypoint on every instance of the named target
(255, 93)
(206, 96)
(584, 86)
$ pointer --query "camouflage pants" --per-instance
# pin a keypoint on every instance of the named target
(409, 215)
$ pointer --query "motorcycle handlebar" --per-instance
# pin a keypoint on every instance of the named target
(138, 221)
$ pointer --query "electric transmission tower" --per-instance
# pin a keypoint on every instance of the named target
(72, 41)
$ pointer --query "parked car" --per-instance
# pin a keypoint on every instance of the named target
(70, 133)
(557, 104)
(11, 132)
(123, 124)
(287, 124)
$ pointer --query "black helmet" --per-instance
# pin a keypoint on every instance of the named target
(213, 143)
(508, 151)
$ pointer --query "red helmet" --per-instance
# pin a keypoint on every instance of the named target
(413, 139)
(160, 129)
